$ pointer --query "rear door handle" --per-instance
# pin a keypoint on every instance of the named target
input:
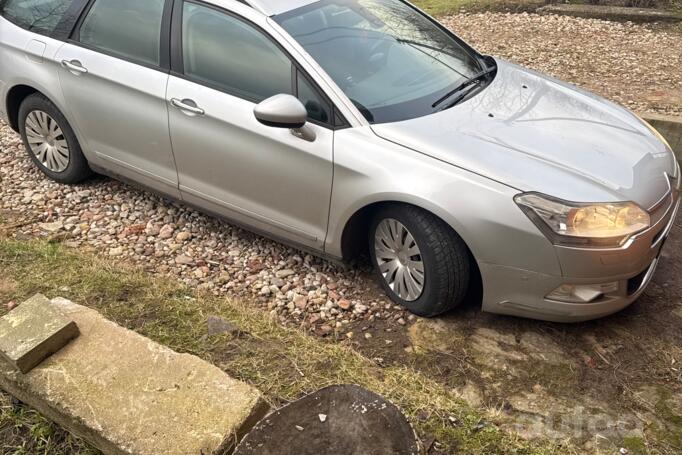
(74, 66)
(185, 106)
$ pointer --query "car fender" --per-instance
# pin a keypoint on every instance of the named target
(369, 170)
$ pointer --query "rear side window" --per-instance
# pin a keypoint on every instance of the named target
(231, 55)
(40, 16)
(130, 29)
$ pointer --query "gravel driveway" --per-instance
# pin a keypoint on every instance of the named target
(637, 65)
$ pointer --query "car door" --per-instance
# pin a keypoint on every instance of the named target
(228, 162)
(114, 75)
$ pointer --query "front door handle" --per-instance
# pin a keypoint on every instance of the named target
(74, 66)
(184, 105)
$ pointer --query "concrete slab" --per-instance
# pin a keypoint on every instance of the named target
(32, 332)
(612, 13)
(126, 394)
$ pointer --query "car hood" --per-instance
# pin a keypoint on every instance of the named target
(535, 133)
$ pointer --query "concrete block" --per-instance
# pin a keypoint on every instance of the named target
(126, 394)
(32, 332)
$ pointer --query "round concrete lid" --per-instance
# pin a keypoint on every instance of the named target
(341, 419)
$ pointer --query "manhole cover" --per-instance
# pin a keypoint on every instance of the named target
(339, 420)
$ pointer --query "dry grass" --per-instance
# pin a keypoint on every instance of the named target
(445, 7)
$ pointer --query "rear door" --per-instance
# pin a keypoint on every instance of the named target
(114, 75)
(228, 162)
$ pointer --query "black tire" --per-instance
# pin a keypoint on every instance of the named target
(445, 258)
(77, 169)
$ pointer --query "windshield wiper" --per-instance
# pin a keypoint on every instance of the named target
(473, 79)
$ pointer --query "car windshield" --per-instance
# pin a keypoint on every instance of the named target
(389, 59)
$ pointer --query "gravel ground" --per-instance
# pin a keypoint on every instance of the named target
(631, 64)
(636, 65)
(114, 219)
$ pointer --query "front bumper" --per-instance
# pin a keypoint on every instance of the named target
(517, 292)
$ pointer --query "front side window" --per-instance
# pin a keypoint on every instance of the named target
(390, 60)
(318, 108)
(231, 55)
(40, 16)
(130, 29)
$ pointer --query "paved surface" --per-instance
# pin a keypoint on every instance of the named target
(126, 394)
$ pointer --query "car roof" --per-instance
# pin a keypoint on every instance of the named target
(274, 7)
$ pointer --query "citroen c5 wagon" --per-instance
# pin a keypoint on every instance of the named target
(347, 127)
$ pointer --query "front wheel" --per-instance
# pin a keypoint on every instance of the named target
(421, 263)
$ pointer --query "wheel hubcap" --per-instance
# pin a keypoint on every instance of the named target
(47, 141)
(399, 259)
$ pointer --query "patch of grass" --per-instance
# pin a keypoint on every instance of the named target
(24, 431)
(635, 445)
(284, 363)
(445, 7)
(672, 433)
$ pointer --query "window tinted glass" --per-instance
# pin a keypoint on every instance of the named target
(390, 60)
(128, 28)
(232, 55)
(318, 109)
(40, 16)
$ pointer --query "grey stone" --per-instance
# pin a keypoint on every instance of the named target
(284, 273)
(126, 394)
(33, 331)
(471, 394)
(541, 347)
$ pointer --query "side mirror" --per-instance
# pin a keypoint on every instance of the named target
(281, 111)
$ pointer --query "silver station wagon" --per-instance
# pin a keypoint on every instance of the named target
(351, 127)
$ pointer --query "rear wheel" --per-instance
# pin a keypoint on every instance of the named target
(421, 263)
(50, 141)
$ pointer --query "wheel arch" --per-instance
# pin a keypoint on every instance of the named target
(353, 239)
(15, 96)
(22, 89)
(356, 222)
(354, 242)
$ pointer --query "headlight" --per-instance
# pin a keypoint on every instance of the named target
(584, 224)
